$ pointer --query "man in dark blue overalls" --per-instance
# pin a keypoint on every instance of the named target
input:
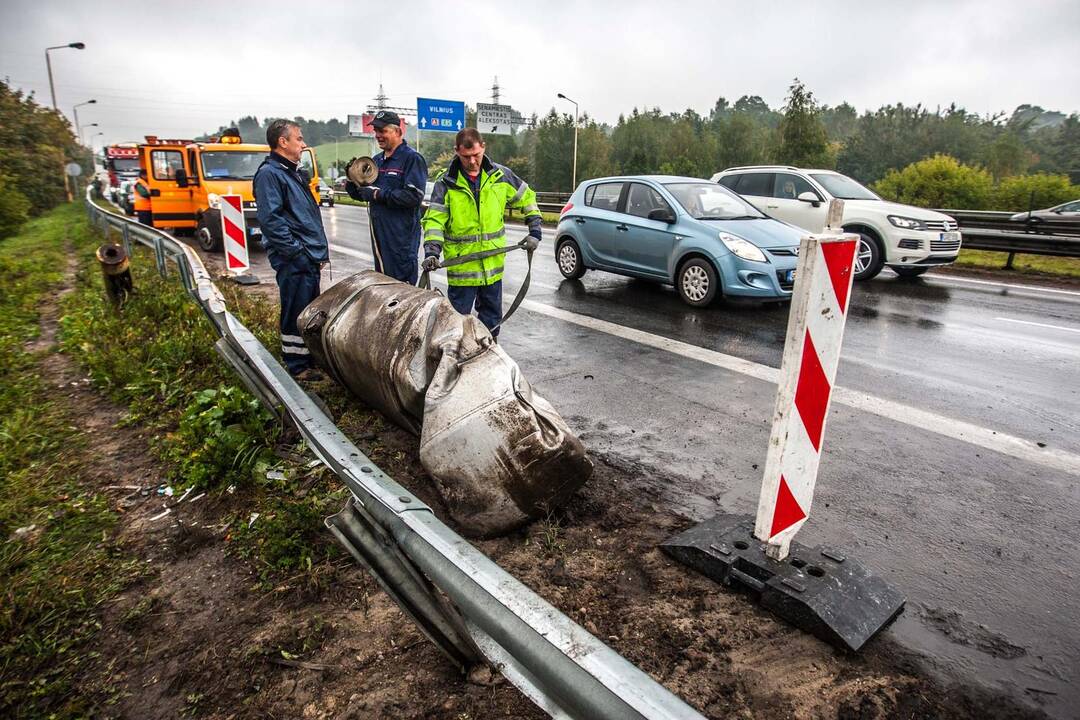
(394, 200)
(292, 233)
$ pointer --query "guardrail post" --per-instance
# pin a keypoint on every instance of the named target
(127, 239)
(159, 254)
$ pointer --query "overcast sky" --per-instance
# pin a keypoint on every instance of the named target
(182, 68)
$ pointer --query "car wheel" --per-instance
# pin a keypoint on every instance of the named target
(568, 257)
(869, 257)
(910, 272)
(697, 282)
(206, 238)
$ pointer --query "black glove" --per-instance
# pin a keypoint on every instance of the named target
(530, 243)
(431, 263)
(368, 193)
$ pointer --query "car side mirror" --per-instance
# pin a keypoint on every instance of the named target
(809, 197)
(181, 178)
(662, 215)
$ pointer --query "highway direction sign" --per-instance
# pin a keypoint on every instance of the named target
(494, 119)
(440, 115)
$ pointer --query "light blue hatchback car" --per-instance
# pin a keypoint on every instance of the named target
(692, 233)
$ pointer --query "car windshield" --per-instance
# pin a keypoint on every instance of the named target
(709, 201)
(125, 165)
(231, 165)
(843, 187)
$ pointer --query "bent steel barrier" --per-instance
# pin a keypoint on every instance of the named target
(466, 604)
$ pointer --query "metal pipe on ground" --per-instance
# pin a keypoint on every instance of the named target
(116, 271)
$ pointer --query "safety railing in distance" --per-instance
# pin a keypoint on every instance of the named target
(465, 603)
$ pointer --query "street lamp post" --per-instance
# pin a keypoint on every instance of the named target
(87, 125)
(48, 65)
(573, 181)
(75, 112)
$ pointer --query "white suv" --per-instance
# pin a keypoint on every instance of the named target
(908, 239)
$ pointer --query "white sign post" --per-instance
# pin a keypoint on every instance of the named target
(815, 332)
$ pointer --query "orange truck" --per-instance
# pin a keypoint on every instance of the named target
(187, 179)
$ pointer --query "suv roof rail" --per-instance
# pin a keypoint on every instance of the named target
(756, 167)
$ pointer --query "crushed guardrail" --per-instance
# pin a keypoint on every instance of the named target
(471, 608)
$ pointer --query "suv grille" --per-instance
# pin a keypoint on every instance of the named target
(941, 225)
(944, 245)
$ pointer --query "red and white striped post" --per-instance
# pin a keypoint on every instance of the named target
(234, 232)
(815, 332)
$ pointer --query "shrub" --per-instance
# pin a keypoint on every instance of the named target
(14, 208)
(940, 181)
(1016, 193)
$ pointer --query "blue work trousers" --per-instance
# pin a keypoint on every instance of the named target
(486, 298)
(298, 284)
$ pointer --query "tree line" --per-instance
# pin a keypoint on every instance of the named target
(868, 146)
(35, 143)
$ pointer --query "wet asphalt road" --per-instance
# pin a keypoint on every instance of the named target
(951, 458)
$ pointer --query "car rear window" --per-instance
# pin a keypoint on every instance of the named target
(759, 184)
(604, 196)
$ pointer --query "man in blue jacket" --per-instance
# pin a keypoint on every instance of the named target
(292, 233)
(394, 199)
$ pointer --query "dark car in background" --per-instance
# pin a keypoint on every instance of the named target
(1064, 213)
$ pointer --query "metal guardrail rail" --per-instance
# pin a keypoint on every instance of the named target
(470, 607)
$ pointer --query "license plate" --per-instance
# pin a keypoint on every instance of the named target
(791, 276)
(950, 236)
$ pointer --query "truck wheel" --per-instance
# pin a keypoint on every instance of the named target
(206, 238)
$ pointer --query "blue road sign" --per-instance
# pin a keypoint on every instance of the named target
(441, 115)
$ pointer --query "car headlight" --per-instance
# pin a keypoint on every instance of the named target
(742, 248)
(213, 200)
(906, 223)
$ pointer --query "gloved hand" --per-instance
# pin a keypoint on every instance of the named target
(368, 193)
(530, 243)
(431, 263)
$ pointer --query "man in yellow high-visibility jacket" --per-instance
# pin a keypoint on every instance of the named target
(465, 216)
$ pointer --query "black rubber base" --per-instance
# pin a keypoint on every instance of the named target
(816, 589)
(244, 279)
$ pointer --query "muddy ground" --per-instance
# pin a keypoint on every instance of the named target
(199, 638)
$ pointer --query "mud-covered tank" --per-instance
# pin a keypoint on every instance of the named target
(499, 453)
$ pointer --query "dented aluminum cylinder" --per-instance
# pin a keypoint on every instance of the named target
(499, 453)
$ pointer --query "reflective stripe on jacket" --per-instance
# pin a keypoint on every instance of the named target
(459, 223)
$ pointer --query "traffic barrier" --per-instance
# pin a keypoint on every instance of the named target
(472, 609)
(234, 232)
(811, 353)
(818, 589)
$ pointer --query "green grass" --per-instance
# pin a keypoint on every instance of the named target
(346, 150)
(1026, 264)
(56, 577)
(156, 358)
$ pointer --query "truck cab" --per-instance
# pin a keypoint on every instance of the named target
(121, 163)
(188, 178)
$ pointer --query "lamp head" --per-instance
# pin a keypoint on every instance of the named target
(77, 46)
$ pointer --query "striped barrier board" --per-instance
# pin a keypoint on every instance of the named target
(234, 232)
(815, 332)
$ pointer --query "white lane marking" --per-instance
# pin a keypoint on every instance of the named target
(1042, 325)
(1027, 288)
(925, 420)
(952, 428)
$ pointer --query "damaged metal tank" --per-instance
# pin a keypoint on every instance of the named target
(499, 453)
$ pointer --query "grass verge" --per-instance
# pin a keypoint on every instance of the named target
(58, 560)
(1026, 264)
(155, 356)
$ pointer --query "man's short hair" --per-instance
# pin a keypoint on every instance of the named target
(278, 129)
(467, 138)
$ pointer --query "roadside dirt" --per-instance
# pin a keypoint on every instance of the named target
(198, 638)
